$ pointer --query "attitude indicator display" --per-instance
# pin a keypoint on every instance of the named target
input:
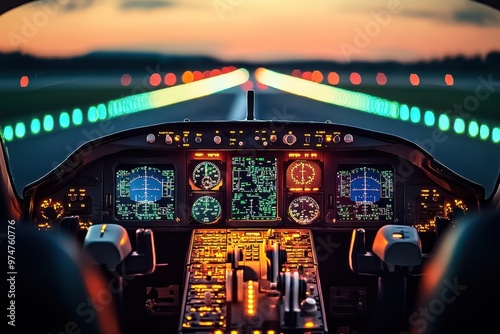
(365, 193)
(145, 192)
(254, 195)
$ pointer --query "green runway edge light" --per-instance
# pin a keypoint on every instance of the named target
(371, 104)
(130, 104)
(64, 120)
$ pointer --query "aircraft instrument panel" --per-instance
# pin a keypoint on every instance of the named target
(250, 174)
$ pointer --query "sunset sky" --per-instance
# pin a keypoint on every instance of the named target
(341, 30)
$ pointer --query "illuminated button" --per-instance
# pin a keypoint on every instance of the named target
(240, 143)
(197, 140)
(168, 139)
(217, 140)
(257, 138)
(348, 138)
(273, 138)
(150, 138)
(289, 139)
(336, 139)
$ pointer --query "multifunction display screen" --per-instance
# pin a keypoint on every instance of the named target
(254, 194)
(145, 192)
(365, 193)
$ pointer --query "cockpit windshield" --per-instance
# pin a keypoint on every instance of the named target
(76, 70)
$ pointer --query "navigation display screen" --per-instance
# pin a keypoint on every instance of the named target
(365, 193)
(254, 188)
(145, 192)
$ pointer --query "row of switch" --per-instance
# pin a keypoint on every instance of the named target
(288, 139)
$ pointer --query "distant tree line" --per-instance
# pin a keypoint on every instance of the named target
(130, 61)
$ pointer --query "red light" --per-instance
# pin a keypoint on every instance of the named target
(297, 73)
(155, 79)
(261, 86)
(247, 86)
(448, 79)
(381, 79)
(333, 78)
(215, 72)
(24, 81)
(355, 78)
(170, 79)
(414, 79)
(317, 76)
(206, 74)
(307, 75)
(126, 79)
(197, 75)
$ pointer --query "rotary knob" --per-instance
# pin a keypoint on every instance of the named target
(289, 139)
(168, 139)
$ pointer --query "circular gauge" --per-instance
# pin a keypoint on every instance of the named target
(146, 184)
(51, 210)
(206, 210)
(303, 175)
(302, 172)
(206, 175)
(303, 210)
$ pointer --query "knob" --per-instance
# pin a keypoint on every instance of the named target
(168, 139)
(308, 305)
(150, 138)
(273, 138)
(289, 139)
(217, 140)
(336, 139)
(197, 140)
(348, 138)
